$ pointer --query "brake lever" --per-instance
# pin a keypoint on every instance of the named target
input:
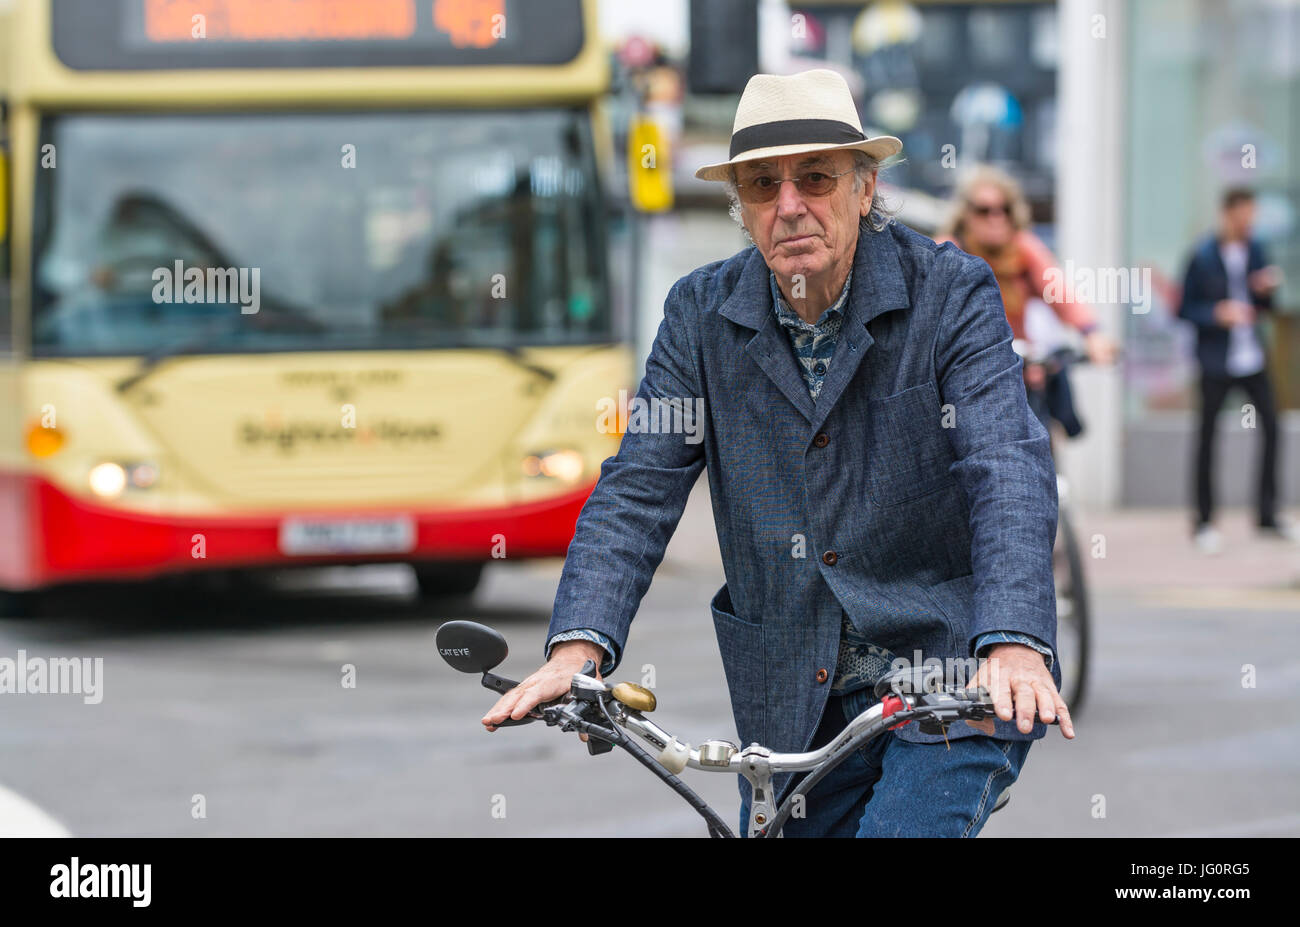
(981, 699)
(595, 746)
(502, 685)
(534, 714)
(514, 722)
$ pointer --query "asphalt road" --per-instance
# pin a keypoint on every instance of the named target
(237, 697)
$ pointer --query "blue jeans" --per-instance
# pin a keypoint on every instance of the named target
(893, 788)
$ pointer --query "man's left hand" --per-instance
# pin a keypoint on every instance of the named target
(1018, 680)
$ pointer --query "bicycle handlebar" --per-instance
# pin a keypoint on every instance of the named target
(607, 713)
(934, 710)
(1056, 359)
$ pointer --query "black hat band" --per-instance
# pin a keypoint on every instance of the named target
(794, 132)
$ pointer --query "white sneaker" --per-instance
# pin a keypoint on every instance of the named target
(1284, 529)
(1208, 540)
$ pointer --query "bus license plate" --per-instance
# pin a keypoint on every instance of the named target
(303, 536)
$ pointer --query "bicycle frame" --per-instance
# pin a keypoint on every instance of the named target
(1072, 599)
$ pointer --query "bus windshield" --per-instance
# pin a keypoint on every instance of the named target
(318, 231)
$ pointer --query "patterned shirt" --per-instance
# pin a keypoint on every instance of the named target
(813, 345)
(859, 663)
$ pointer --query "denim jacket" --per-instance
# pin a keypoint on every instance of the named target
(919, 486)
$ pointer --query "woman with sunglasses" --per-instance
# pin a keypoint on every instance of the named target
(990, 220)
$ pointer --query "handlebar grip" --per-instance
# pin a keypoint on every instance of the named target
(498, 683)
(502, 685)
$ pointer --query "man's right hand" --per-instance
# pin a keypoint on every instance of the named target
(549, 682)
(1264, 281)
(1230, 312)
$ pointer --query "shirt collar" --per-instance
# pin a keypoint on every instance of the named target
(791, 319)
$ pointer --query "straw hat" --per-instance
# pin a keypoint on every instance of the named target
(811, 111)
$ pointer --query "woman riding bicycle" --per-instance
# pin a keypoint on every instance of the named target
(990, 219)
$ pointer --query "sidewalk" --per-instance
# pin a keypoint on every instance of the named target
(1150, 551)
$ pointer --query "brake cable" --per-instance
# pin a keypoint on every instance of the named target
(617, 736)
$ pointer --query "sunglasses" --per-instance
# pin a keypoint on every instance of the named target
(764, 189)
(985, 211)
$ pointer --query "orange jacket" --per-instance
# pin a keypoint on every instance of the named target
(1022, 272)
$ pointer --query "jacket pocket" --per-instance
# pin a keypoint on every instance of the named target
(908, 452)
(955, 598)
(743, 660)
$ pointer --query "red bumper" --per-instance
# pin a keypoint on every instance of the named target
(47, 536)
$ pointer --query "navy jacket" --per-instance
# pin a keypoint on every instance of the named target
(928, 510)
(1204, 284)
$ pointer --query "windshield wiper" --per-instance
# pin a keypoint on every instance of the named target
(150, 361)
(516, 356)
(192, 345)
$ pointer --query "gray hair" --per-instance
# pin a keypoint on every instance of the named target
(879, 216)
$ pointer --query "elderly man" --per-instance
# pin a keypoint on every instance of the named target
(881, 492)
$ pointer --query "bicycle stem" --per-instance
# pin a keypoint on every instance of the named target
(755, 762)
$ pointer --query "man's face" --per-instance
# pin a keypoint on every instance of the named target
(1240, 217)
(798, 233)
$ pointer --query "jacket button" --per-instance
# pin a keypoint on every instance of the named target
(822, 439)
(822, 675)
(830, 557)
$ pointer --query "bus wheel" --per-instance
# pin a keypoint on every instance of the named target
(447, 579)
(19, 604)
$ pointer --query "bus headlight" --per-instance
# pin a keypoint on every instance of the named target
(565, 465)
(109, 478)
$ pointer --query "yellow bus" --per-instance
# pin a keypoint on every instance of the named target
(301, 282)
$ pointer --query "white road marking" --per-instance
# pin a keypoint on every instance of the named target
(21, 818)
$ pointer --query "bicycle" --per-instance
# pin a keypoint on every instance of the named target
(1073, 625)
(610, 715)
